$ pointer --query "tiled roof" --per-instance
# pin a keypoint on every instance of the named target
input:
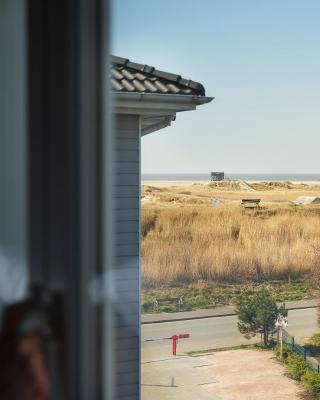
(127, 76)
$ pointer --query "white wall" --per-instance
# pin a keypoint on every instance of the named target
(127, 255)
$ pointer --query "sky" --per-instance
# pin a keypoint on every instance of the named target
(259, 59)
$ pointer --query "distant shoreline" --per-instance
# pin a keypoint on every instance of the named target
(249, 177)
(166, 183)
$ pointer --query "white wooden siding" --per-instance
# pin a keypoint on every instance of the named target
(127, 255)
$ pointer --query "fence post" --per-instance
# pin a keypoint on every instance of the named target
(155, 305)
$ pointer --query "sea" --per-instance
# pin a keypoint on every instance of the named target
(245, 177)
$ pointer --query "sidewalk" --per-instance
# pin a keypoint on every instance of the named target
(214, 312)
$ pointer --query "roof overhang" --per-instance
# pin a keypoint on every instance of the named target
(152, 123)
(148, 103)
(157, 110)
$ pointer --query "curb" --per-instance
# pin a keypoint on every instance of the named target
(214, 316)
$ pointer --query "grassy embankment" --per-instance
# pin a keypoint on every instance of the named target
(209, 254)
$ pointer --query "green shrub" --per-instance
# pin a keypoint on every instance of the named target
(286, 351)
(297, 367)
(257, 313)
(311, 382)
(315, 340)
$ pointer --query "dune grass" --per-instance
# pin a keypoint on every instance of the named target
(188, 244)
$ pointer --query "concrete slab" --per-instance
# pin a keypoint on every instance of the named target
(248, 375)
(225, 375)
(175, 379)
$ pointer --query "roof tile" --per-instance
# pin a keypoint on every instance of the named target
(161, 86)
(127, 74)
(140, 76)
(150, 86)
(133, 77)
(127, 85)
(173, 88)
(139, 86)
(116, 74)
(115, 85)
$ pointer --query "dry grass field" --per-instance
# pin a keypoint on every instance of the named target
(185, 239)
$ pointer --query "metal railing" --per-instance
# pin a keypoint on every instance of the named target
(177, 301)
(301, 350)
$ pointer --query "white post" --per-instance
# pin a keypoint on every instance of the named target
(281, 322)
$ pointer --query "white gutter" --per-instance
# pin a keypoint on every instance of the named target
(155, 104)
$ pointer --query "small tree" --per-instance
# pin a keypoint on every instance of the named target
(258, 313)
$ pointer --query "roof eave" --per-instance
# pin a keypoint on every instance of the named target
(154, 123)
(154, 103)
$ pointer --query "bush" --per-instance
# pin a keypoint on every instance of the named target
(148, 222)
(298, 369)
(258, 313)
(311, 382)
(315, 340)
(286, 352)
(297, 366)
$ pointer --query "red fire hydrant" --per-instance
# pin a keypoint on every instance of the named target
(175, 341)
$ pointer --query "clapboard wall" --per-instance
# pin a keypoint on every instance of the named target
(127, 255)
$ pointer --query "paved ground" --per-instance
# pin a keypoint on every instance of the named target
(214, 333)
(222, 375)
(248, 375)
(225, 375)
(177, 378)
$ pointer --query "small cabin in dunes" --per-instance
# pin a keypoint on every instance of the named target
(217, 176)
(250, 203)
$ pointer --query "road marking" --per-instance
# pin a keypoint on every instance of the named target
(207, 383)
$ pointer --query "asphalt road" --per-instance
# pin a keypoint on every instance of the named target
(214, 333)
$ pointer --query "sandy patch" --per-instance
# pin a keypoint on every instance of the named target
(248, 375)
(173, 183)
